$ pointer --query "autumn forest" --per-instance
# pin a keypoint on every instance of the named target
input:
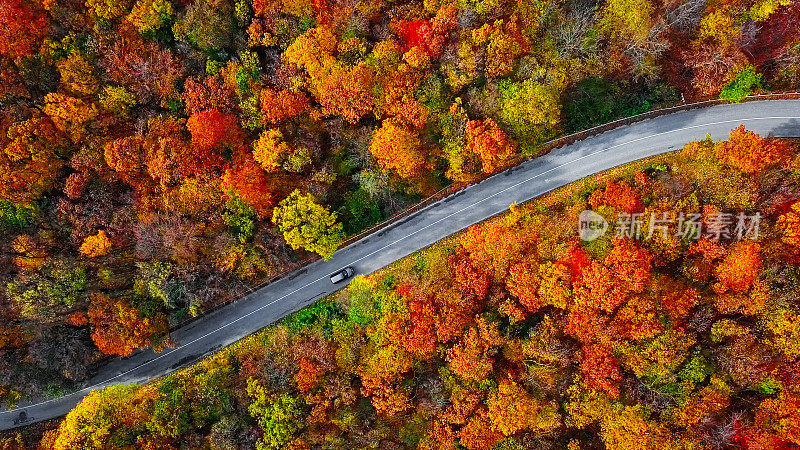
(159, 158)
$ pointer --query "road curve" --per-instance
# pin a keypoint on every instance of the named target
(780, 118)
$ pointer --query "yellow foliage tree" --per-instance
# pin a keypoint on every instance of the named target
(305, 223)
(108, 9)
(512, 409)
(78, 75)
(626, 428)
(150, 15)
(270, 149)
(97, 245)
(627, 19)
(69, 114)
(98, 417)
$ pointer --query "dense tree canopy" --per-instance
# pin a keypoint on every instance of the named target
(143, 134)
(512, 334)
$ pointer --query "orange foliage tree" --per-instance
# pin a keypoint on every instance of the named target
(126, 157)
(340, 89)
(630, 263)
(387, 397)
(32, 159)
(211, 128)
(749, 152)
(308, 375)
(781, 416)
(789, 225)
(739, 269)
(489, 142)
(279, 106)
(397, 148)
(504, 43)
(245, 177)
(523, 283)
(494, 247)
(512, 409)
(470, 278)
(119, 329)
(473, 357)
(212, 131)
(397, 98)
(479, 433)
(414, 330)
(599, 289)
(619, 195)
(637, 318)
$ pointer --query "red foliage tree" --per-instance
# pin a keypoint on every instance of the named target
(600, 369)
(211, 128)
(25, 25)
(212, 131)
(576, 260)
(278, 106)
(211, 93)
(419, 33)
(429, 35)
(245, 177)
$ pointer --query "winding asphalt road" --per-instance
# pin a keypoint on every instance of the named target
(471, 205)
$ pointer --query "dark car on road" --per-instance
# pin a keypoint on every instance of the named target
(342, 275)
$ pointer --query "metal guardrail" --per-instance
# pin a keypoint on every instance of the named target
(545, 148)
(553, 144)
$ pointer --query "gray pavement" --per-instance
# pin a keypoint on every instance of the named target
(469, 206)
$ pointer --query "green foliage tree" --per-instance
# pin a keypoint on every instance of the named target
(742, 85)
(14, 217)
(280, 416)
(207, 25)
(531, 109)
(241, 218)
(56, 288)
